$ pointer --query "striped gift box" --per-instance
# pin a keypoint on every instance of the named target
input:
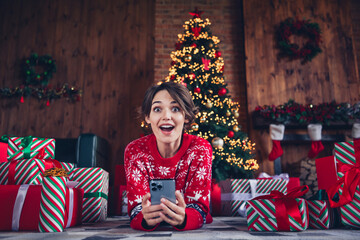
(28, 171)
(95, 182)
(350, 213)
(236, 192)
(38, 147)
(261, 215)
(319, 214)
(124, 203)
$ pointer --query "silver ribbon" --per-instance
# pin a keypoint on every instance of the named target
(284, 176)
(19, 203)
(71, 185)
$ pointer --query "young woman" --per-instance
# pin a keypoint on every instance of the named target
(168, 153)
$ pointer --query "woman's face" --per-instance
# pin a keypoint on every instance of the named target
(166, 118)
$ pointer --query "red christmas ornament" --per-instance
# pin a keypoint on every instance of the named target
(230, 134)
(222, 92)
(173, 63)
(192, 76)
(22, 99)
(47, 103)
(178, 45)
(193, 45)
(172, 77)
(197, 90)
(218, 54)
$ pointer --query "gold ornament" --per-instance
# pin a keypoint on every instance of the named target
(236, 114)
(236, 128)
(209, 104)
(187, 58)
(228, 113)
(211, 45)
(210, 91)
(217, 142)
(195, 126)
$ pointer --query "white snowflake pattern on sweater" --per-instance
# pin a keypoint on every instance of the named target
(190, 167)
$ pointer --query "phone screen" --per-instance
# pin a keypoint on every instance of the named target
(162, 188)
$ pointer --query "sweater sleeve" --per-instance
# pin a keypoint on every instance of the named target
(137, 184)
(198, 186)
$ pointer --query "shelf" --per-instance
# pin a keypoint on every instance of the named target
(261, 123)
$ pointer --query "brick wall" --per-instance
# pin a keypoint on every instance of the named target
(227, 24)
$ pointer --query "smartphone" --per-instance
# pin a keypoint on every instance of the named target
(162, 188)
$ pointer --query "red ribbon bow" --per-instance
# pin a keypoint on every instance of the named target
(196, 31)
(350, 181)
(206, 63)
(285, 204)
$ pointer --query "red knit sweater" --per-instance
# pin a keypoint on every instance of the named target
(190, 167)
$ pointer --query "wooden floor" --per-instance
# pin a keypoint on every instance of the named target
(220, 228)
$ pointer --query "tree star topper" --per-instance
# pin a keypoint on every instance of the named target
(196, 13)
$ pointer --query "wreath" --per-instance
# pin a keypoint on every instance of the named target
(38, 70)
(303, 28)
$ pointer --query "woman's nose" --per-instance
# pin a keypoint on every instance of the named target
(166, 114)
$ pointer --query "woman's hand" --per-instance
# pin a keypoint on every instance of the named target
(172, 213)
(151, 213)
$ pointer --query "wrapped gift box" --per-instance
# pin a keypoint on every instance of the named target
(345, 193)
(95, 183)
(278, 212)
(28, 171)
(20, 207)
(124, 201)
(30, 147)
(319, 214)
(326, 172)
(236, 192)
(3, 152)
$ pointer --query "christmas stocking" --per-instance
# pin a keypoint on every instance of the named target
(314, 131)
(276, 134)
(356, 137)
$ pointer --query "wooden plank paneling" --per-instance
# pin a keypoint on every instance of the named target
(332, 75)
(105, 48)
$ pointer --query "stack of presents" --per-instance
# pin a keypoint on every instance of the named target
(39, 193)
(275, 203)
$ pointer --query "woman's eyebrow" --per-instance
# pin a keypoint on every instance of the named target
(156, 102)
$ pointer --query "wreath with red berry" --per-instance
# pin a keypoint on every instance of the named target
(38, 70)
(303, 28)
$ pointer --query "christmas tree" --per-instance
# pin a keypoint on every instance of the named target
(197, 63)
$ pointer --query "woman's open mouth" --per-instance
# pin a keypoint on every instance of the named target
(166, 128)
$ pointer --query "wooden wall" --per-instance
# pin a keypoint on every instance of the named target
(332, 75)
(106, 48)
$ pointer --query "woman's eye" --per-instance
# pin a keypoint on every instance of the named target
(156, 109)
(176, 109)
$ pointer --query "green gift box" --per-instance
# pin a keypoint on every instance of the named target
(30, 147)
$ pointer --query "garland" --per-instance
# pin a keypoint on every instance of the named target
(303, 28)
(295, 113)
(70, 93)
(36, 83)
(34, 62)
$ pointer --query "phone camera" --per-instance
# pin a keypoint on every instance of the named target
(156, 186)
